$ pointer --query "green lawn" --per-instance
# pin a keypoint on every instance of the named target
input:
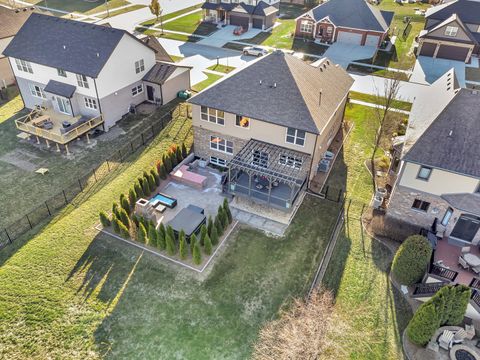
(176, 58)
(81, 6)
(222, 68)
(191, 24)
(70, 292)
(359, 269)
(172, 15)
(397, 104)
(211, 78)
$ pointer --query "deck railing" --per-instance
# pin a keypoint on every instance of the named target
(427, 289)
(24, 124)
(443, 272)
(476, 297)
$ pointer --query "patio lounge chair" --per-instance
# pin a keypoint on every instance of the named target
(459, 336)
(476, 269)
(445, 340)
(466, 249)
(462, 262)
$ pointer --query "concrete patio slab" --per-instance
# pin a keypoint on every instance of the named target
(225, 35)
(344, 54)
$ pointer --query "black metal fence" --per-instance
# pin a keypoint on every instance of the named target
(153, 125)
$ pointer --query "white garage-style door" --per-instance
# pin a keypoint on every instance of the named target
(372, 40)
(349, 38)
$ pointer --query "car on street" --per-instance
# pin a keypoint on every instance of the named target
(254, 51)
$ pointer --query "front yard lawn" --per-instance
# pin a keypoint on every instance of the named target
(191, 24)
(222, 68)
(397, 104)
(81, 6)
(172, 15)
(211, 78)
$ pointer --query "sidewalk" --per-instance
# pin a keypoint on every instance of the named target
(377, 106)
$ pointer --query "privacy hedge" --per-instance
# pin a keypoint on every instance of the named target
(411, 260)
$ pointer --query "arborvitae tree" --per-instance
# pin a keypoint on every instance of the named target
(138, 190)
(178, 155)
(123, 230)
(173, 158)
(123, 217)
(411, 260)
(423, 324)
(115, 225)
(171, 232)
(125, 204)
(145, 174)
(218, 225)
(197, 256)
(104, 219)
(168, 164)
(226, 208)
(162, 171)
(161, 243)
(184, 151)
(214, 236)
(193, 241)
(171, 249)
(182, 247)
(141, 234)
(132, 198)
(209, 225)
(152, 236)
(203, 233)
(207, 247)
(146, 188)
(460, 299)
(115, 208)
(223, 217)
(152, 183)
(122, 196)
(135, 220)
(155, 175)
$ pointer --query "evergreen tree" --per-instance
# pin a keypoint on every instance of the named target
(214, 236)
(226, 208)
(197, 256)
(116, 227)
(223, 217)
(207, 247)
(123, 230)
(203, 233)
(209, 226)
(168, 164)
(193, 241)
(460, 297)
(123, 217)
(173, 158)
(152, 183)
(104, 219)
(178, 154)
(170, 245)
(146, 188)
(138, 190)
(132, 198)
(423, 324)
(162, 171)
(171, 232)
(184, 151)
(115, 209)
(161, 243)
(155, 175)
(125, 205)
(152, 236)
(135, 220)
(183, 250)
(141, 234)
(218, 225)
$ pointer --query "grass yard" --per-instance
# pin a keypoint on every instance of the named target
(397, 104)
(81, 6)
(191, 24)
(176, 58)
(172, 15)
(69, 292)
(211, 78)
(222, 68)
(359, 268)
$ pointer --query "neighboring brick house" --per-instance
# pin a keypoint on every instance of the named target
(258, 14)
(273, 120)
(452, 31)
(346, 21)
(439, 175)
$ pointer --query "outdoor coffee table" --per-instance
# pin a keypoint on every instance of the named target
(472, 260)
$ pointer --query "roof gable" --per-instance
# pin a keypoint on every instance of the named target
(463, 35)
(467, 10)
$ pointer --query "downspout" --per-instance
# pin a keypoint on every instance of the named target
(313, 158)
(98, 99)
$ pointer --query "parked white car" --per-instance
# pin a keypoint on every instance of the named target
(254, 51)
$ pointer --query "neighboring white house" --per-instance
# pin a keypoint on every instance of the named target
(78, 72)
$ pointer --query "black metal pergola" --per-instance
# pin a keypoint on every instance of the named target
(258, 159)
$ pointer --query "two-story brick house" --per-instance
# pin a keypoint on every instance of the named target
(270, 124)
(258, 14)
(452, 31)
(77, 76)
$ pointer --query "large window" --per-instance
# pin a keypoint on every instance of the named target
(37, 91)
(212, 115)
(23, 65)
(137, 90)
(424, 173)
(451, 31)
(91, 103)
(306, 26)
(295, 136)
(290, 161)
(260, 158)
(221, 145)
(421, 205)
(82, 81)
(139, 66)
(242, 121)
(217, 161)
(447, 216)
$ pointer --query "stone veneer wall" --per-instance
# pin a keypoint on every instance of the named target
(201, 141)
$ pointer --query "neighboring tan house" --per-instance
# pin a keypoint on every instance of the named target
(346, 21)
(257, 14)
(10, 22)
(452, 31)
(438, 183)
(78, 76)
(270, 124)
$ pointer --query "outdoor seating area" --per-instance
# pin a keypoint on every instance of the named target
(185, 174)
(464, 260)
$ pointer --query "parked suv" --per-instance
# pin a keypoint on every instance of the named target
(254, 51)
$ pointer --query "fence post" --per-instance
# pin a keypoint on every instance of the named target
(65, 197)
(339, 195)
(94, 175)
(153, 131)
(48, 209)
(29, 223)
(131, 147)
(8, 236)
(108, 165)
(80, 183)
(143, 140)
(326, 191)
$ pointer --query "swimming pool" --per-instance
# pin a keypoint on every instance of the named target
(165, 200)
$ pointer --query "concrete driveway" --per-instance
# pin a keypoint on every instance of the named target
(427, 70)
(225, 35)
(344, 54)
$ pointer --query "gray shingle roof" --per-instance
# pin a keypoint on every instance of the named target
(464, 201)
(357, 14)
(159, 73)
(467, 10)
(59, 88)
(70, 45)
(281, 89)
(451, 141)
(160, 52)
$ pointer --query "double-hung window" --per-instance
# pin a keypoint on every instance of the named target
(212, 115)
(218, 161)
(420, 205)
(295, 136)
(37, 91)
(137, 90)
(82, 81)
(451, 31)
(221, 145)
(306, 26)
(291, 161)
(139, 66)
(90, 103)
(61, 72)
(424, 173)
(23, 65)
(242, 121)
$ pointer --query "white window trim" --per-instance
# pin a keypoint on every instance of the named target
(306, 26)
(34, 92)
(217, 149)
(451, 31)
(68, 105)
(90, 103)
(137, 90)
(82, 81)
(218, 161)
(429, 174)
(214, 116)
(294, 161)
(139, 66)
(295, 137)
(243, 127)
(24, 66)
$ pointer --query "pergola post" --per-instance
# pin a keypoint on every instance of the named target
(48, 144)
(249, 184)
(269, 189)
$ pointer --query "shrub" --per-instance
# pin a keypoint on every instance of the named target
(151, 183)
(223, 217)
(167, 162)
(182, 248)
(451, 303)
(104, 219)
(152, 235)
(162, 171)
(193, 241)
(423, 324)
(203, 233)
(197, 256)
(171, 232)
(123, 217)
(173, 158)
(214, 236)
(138, 190)
(115, 209)
(135, 220)
(226, 208)
(132, 198)
(218, 225)
(184, 151)
(115, 225)
(123, 230)
(146, 188)
(155, 175)
(411, 260)
(142, 234)
(170, 244)
(207, 247)
(161, 244)
(209, 225)
(125, 205)
(178, 155)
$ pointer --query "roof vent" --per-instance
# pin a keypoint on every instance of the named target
(64, 47)
(98, 54)
(321, 70)
(450, 134)
(328, 62)
(260, 82)
(274, 85)
(320, 98)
